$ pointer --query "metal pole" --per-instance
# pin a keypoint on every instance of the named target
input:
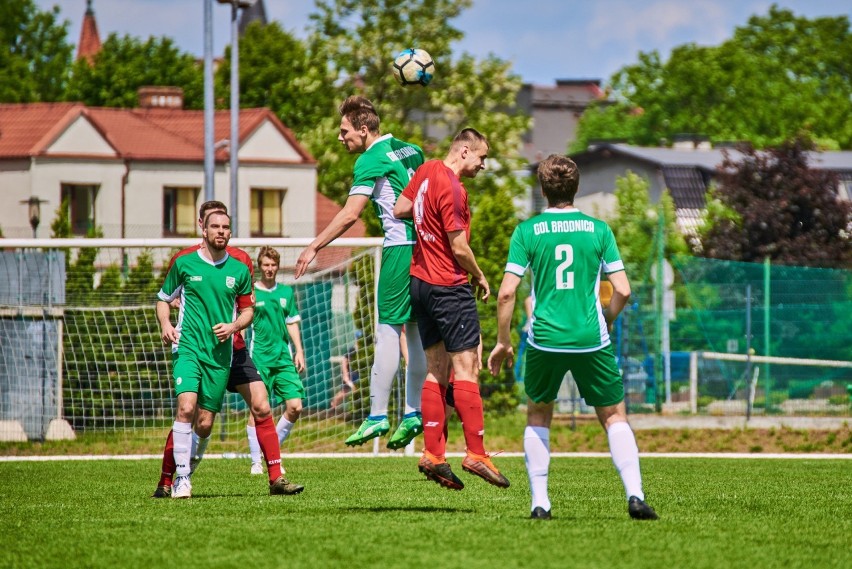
(766, 314)
(748, 353)
(235, 118)
(660, 292)
(209, 140)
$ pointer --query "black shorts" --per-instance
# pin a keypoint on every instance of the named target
(445, 313)
(242, 370)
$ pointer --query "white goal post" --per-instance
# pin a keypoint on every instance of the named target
(80, 340)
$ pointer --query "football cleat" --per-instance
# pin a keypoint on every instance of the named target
(182, 487)
(483, 467)
(540, 513)
(438, 471)
(162, 491)
(281, 486)
(409, 428)
(256, 468)
(639, 510)
(369, 429)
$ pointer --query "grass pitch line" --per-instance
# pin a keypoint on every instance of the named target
(350, 455)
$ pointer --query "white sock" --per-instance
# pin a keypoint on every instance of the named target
(537, 458)
(385, 368)
(625, 457)
(283, 428)
(254, 446)
(199, 445)
(182, 437)
(415, 372)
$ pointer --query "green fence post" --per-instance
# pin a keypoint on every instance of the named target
(766, 313)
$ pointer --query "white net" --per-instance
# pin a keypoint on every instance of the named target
(80, 343)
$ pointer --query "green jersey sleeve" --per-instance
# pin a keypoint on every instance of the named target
(172, 285)
(611, 262)
(518, 260)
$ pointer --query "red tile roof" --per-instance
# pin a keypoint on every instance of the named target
(159, 134)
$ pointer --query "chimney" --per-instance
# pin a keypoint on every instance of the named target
(160, 98)
(90, 41)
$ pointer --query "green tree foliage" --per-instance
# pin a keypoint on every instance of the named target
(636, 225)
(772, 204)
(778, 76)
(278, 71)
(35, 55)
(126, 63)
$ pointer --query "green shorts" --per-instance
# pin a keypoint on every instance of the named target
(282, 382)
(208, 381)
(595, 373)
(394, 279)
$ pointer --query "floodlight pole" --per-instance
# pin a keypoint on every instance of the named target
(235, 118)
(209, 159)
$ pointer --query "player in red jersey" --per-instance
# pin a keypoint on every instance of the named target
(444, 301)
(243, 379)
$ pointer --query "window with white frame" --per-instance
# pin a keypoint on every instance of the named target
(80, 201)
(179, 211)
(266, 212)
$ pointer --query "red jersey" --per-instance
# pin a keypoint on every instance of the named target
(440, 206)
(239, 255)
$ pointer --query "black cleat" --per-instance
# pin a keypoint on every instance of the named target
(281, 486)
(162, 492)
(439, 472)
(639, 510)
(540, 513)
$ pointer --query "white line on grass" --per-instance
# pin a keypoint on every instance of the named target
(718, 455)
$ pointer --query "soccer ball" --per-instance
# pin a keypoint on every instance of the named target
(413, 67)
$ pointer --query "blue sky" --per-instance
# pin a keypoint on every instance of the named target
(545, 40)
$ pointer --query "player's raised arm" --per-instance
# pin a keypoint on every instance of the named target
(344, 219)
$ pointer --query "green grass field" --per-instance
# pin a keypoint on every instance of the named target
(380, 512)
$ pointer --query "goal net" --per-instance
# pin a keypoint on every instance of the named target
(81, 353)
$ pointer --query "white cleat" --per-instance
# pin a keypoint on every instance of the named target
(182, 487)
(256, 468)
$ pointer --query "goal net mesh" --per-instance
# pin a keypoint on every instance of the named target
(81, 343)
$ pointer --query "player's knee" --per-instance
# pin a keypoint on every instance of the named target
(261, 409)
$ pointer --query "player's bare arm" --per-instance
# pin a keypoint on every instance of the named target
(344, 219)
(404, 208)
(620, 295)
(505, 309)
(225, 330)
(467, 260)
(295, 333)
(168, 333)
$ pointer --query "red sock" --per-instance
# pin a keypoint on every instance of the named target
(434, 417)
(469, 408)
(168, 461)
(268, 439)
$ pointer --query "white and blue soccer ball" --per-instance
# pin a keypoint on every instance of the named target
(413, 67)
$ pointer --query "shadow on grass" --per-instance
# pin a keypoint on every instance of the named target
(423, 509)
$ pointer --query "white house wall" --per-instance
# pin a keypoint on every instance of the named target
(299, 183)
(81, 138)
(267, 143)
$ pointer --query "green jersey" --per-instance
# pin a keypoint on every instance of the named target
(566, 251)
(273, 309)
(210, 293)
(382, 172)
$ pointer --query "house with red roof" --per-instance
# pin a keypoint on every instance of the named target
(140, 172)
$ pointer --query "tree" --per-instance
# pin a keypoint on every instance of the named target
(125, 64)
(35, 55)
(777, 77)
(772, 204)
(636, 225)
(277, 71)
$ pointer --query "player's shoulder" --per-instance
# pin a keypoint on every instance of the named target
(237, 264)
(183, 253)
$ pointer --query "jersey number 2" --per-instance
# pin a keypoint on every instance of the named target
(564, 277)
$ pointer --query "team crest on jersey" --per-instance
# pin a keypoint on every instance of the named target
(283, 302)
(230, 282)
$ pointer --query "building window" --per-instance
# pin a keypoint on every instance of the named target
(266, 206)
(179, 211)
(81, 206)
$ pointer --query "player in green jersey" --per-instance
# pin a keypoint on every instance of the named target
(275, 325)
(566, 251)
(382, 171)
